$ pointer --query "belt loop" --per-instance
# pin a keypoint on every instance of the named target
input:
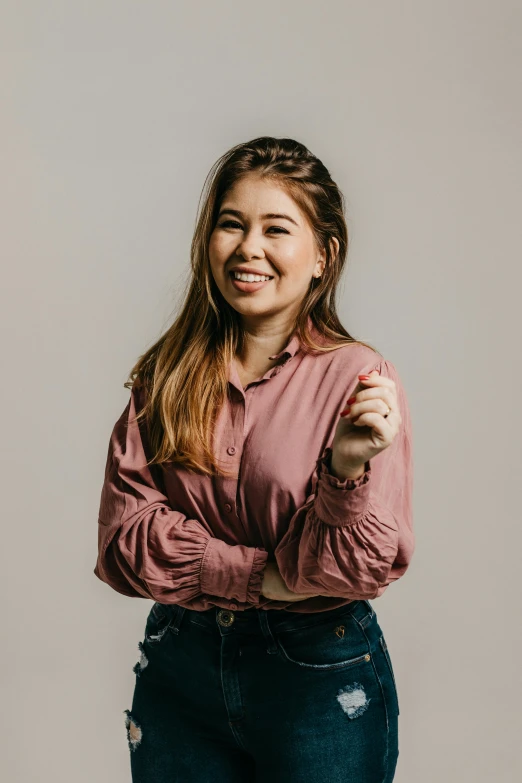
(267, 633)
(177, 617)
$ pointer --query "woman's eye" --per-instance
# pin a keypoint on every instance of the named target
(233, 224)
(228, 224)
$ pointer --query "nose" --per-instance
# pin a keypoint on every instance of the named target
(250, 246)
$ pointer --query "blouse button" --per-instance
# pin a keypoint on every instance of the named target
(233, 606)
(228, 507)
(231, 450)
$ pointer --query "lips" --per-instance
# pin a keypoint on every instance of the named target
(246, 287)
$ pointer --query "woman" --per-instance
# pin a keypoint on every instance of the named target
(256, 510)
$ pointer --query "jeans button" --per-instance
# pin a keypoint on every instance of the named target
(225, 618)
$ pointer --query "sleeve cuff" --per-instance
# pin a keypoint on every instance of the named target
(234, 572)
(339, 503)
(256, 576)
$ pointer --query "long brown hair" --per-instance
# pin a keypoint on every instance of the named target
(184, 374)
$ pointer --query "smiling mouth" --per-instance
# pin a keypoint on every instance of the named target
(238, 280)
(250, 286)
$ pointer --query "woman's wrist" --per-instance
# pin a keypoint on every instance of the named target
(343, 472)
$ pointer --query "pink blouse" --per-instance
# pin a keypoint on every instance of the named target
(201, 541)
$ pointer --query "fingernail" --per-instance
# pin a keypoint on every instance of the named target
(346, 410)
(363, 377)
(349, 402)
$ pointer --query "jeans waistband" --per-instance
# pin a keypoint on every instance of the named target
(257, 621)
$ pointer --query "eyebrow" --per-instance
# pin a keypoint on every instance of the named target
(268, 216)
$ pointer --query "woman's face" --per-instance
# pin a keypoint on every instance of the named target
(251, 231)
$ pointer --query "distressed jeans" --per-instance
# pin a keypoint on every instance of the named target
(270, 696)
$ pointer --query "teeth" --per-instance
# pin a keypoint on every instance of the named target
(249, 278)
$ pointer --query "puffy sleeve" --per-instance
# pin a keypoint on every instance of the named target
(148, 549)
(353, 538)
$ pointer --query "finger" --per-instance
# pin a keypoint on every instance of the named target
(374, 393)
(374, 405)
(382, 426)
(360, 386)
(375, 379)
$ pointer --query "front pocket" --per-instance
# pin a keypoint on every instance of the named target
(333, 644)
(157, 624)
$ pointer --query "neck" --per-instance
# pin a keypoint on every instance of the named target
(262, 340)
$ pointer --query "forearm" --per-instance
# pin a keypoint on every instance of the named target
(343, 541)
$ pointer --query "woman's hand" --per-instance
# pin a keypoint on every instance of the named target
(274, 587)
(365, 431)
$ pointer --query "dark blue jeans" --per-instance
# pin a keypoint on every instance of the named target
(270, 696)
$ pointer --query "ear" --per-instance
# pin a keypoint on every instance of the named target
(320, 265)
(321, 262)
(335, 249)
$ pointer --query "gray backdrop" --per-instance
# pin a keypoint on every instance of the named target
(112, 114)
